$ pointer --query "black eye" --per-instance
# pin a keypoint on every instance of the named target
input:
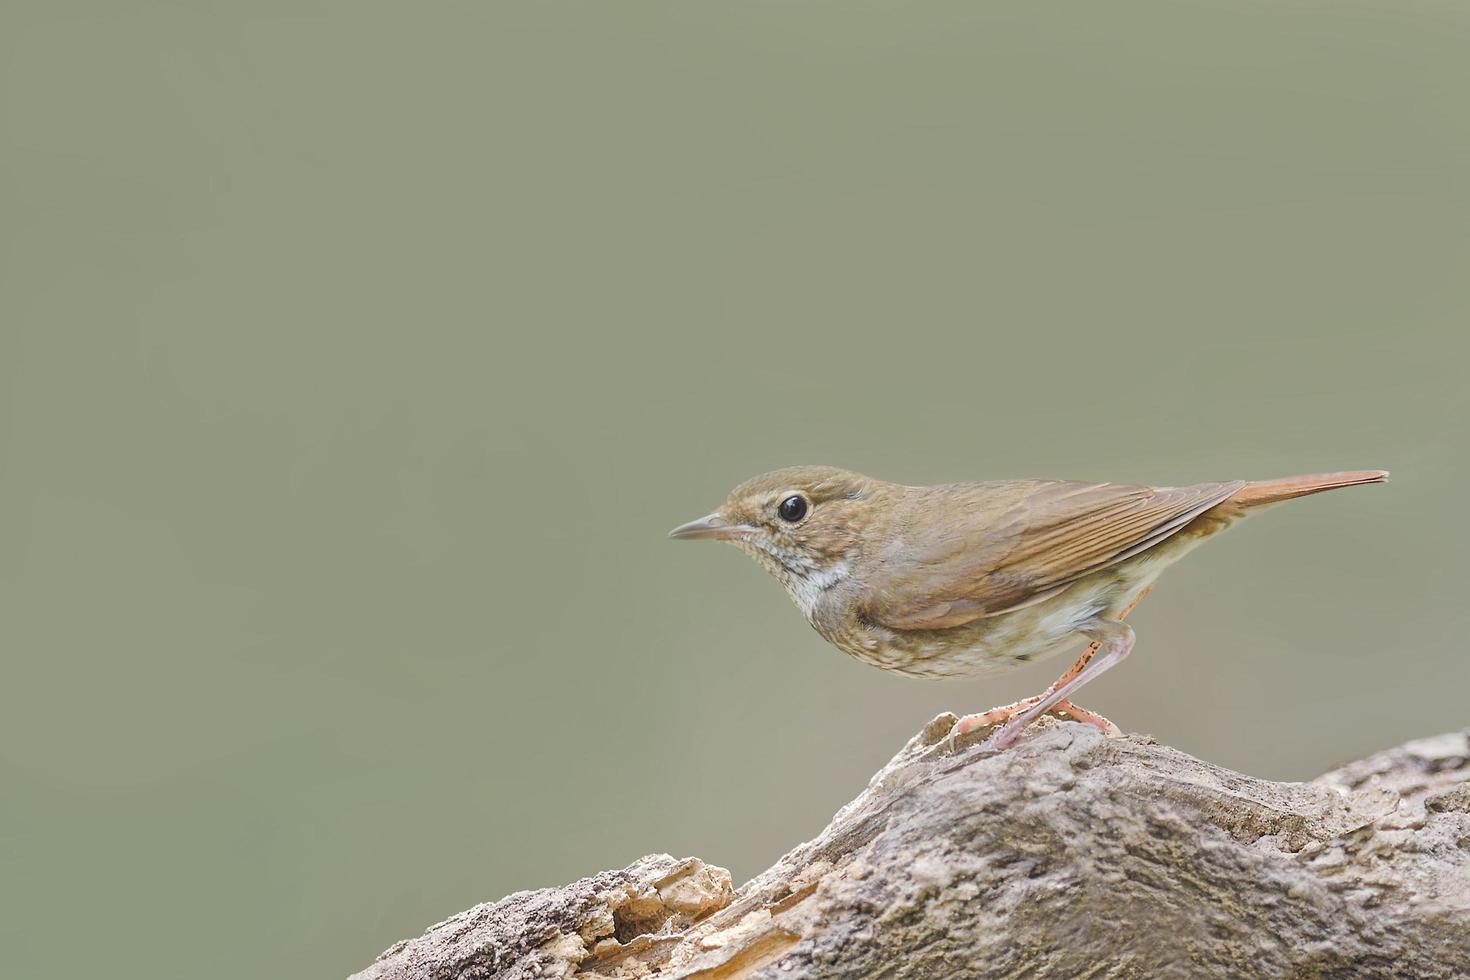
(793, 508)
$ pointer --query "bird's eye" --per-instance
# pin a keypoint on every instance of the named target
(793, 508)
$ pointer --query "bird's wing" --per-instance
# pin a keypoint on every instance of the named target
(1012, 544)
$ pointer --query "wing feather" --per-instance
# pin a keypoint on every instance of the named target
(1012, 544)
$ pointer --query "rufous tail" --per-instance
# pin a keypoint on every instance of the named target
(1265, 492)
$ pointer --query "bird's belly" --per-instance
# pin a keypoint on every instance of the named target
(999, 643)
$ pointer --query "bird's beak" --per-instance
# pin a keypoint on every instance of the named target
(713, 526)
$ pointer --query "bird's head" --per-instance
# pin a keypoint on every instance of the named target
(804, 524)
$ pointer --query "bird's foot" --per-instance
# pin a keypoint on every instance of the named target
(1008, 718)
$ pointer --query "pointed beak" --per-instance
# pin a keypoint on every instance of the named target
(713, 526)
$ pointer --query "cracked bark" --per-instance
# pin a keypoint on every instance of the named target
(1071, 855)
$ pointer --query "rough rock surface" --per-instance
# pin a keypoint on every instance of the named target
(1071, 855)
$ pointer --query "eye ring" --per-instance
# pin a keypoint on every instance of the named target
(793, 508)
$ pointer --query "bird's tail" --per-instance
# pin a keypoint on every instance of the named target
(1265, 492)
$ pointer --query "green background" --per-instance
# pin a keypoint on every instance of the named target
(356, 358)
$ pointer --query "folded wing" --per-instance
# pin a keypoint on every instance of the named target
(1012, 544)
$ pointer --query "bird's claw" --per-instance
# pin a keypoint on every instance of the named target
(985, 719)
(1007, 723)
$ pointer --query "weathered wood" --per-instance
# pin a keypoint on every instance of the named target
(1071, 855)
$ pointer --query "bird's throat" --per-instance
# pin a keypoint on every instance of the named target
(806, 581)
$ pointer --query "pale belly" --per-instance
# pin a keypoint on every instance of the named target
(999, 643)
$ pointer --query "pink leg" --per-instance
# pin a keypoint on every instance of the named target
(1068, 711)
(1063, 709)
(1115, 641)
(1081, 661)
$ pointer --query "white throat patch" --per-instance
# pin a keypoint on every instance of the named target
(807, 590)
(804, 581)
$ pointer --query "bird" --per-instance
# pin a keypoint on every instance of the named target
(968, 579)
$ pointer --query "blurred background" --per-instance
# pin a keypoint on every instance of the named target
(356, 358)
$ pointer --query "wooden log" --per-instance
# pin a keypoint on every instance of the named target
(1071, 855)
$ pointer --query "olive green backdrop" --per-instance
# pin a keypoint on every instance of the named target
(356, 358)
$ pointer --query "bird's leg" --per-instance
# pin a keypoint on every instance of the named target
(994, 716)
(1081, 661)
(1067, 711)
(1061, 709)
(1114, 640)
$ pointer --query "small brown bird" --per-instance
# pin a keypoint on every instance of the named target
(973, 578)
